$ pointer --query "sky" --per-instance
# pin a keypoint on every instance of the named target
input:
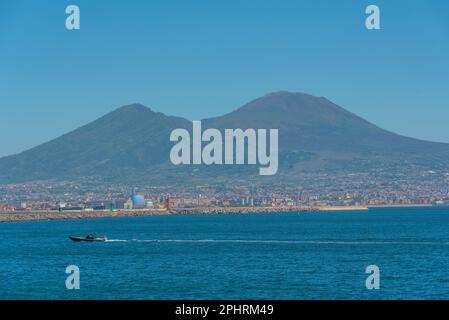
(202, 58)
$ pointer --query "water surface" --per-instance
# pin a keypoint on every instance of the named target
(238, 256)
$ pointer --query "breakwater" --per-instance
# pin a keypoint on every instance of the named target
(16, 216)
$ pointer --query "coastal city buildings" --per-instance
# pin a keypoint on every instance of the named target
(429, 188)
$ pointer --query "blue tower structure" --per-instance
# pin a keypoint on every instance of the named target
(137, 200)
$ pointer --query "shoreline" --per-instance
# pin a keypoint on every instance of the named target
(22, 216)
(47, 215)
(400, 206)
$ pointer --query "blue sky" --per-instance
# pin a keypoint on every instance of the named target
(198, 59)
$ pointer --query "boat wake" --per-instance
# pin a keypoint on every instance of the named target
(299, 242)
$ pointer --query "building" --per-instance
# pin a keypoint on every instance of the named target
(169, 203)
(128, 204)
(138, 201)
(7, 207)
(150, 204)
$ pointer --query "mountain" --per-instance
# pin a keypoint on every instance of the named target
(122, 142)
(317, 125)
(132, 143)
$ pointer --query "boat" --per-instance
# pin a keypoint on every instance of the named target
(88, 238)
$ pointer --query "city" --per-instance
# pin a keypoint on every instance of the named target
(315, 192)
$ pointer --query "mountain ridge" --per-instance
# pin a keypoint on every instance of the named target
(133, 140)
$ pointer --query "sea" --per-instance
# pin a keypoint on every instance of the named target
(321, 255)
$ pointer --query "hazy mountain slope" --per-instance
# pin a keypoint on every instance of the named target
(316, 124)
(129, 138)
(133, 141)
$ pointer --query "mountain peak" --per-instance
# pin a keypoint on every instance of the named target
(133, 107)
(287, 101)
(287, 94)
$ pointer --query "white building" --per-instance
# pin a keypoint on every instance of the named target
(128, 204)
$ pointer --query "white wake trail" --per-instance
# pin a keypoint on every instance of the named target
(261, 241)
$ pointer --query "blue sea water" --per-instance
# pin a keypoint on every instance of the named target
(238, 256)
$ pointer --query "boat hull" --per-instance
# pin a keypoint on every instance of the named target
(81, 239)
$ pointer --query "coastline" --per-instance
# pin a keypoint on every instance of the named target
(400, 206)
(72, 215)
(44, 215)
